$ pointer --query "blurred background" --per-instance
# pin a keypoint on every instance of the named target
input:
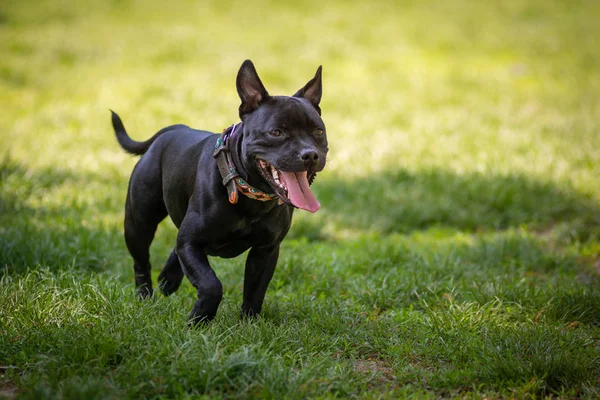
(457, 250)
(459, 116)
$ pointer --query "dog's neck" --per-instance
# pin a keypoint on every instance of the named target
(247, 170)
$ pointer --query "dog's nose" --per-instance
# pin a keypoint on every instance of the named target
(310, 157)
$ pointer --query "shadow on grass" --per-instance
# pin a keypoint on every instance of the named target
(402, 202)
(69, 234)
(54, 237)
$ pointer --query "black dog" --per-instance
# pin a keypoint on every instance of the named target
(226, 193)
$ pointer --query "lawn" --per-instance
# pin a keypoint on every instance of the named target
(457, 251)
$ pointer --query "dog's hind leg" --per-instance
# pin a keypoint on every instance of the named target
(171, 275)
(143, 212)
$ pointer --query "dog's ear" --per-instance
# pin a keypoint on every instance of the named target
(250, 88)
(312, 90)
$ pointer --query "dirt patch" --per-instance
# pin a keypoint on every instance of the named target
(7, 390)
(380, 370)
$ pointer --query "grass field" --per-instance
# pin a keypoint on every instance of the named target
(457, 251)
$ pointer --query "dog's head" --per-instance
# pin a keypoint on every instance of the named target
(285, 140)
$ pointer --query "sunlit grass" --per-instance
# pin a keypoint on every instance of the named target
(457, 250)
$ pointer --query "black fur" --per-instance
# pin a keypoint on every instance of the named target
(177, 175)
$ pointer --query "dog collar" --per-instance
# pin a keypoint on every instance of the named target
(231, 178)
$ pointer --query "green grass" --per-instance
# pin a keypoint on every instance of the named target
(457, 251)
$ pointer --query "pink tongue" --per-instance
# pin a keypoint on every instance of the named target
(298, 191)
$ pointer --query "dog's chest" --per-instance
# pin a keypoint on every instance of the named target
(238, 240)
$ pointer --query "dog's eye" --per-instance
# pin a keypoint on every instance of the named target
(319, 132)
(276, 133)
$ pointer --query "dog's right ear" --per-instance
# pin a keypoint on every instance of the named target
(250, 88)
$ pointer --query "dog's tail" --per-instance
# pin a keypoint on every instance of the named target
(127, 143)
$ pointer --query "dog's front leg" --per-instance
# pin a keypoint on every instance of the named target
(196, 267)
(260, 266)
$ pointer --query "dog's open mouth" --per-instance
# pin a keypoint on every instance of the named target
(292, 187)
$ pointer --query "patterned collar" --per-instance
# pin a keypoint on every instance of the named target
(231, 178)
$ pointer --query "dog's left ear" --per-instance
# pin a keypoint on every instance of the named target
(250, 88)
(312, 90)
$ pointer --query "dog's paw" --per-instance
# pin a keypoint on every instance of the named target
(198, 320)
(168, 285)
(248, 313)
(204, 311)
(145, 292)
